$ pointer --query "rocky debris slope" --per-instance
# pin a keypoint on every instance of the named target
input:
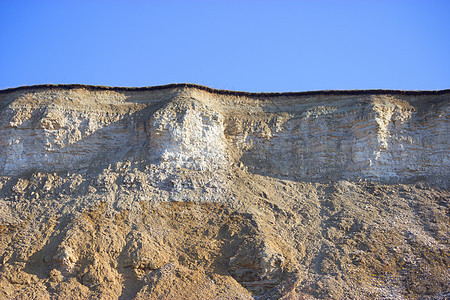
(182, 191)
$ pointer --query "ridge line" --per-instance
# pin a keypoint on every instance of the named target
(229, 92)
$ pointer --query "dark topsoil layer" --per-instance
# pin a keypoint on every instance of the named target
(227, 92)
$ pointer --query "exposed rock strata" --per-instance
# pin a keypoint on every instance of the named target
(382, 137)
(185, 191)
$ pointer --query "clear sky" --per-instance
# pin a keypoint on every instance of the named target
(256, 46)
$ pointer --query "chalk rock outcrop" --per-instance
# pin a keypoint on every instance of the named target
(382, 136)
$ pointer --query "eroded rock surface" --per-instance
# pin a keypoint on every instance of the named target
(187, 192)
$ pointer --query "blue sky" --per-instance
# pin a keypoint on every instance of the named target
(256, 46)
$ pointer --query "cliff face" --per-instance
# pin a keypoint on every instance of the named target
(381, 137)
(120, 192)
